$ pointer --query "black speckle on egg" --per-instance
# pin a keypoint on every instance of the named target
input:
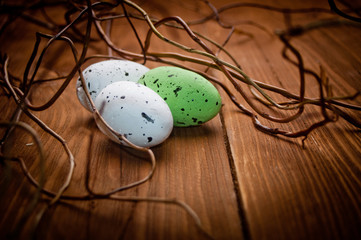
(171, 75)
(146, 117)
(182, 109)
(90, 70)
(206, 100)
(155, 81)
(216, 103)
(150, 139)
(177, 90)
(200, 122)
(122, 97)
(194, 119)
(165, 99)
(126, 74)
(88, 84)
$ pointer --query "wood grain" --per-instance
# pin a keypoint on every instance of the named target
(289, 192)
(242, 183)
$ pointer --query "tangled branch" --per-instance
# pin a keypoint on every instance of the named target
(93, 14)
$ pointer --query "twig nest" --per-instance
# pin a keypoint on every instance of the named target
(135, 111)
(192, 99)
(99, 75)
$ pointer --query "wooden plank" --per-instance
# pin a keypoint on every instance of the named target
(289, 192)
(241, 182)
(192, 167)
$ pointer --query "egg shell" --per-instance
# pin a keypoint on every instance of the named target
(98, 75)
(192, 99)
(135, 111)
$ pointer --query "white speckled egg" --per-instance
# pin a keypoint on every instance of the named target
(135, 111)
(98, 75)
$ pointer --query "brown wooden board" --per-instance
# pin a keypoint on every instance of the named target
(241, 182)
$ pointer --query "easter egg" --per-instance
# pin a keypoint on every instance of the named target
(135, 111)
(192, 99)
(98, 75)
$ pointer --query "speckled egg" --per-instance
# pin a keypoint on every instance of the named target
(98, 75)
(192, 99)
(135, 111)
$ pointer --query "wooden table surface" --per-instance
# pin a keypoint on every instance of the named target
(239, 181)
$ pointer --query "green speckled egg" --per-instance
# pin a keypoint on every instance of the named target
(192, 99)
